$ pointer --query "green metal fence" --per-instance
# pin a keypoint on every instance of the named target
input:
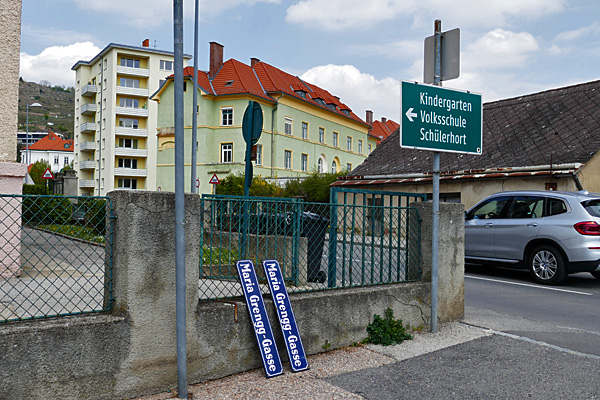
(319, 246)
(55, 256)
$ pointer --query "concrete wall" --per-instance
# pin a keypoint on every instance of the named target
(133, 351)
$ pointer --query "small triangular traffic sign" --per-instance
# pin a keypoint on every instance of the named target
(214, 180)
(48, 174)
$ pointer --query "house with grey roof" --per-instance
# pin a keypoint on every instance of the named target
(546, 141)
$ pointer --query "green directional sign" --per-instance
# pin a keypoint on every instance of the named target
(440, 119)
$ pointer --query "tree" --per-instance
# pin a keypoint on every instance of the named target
(37, 170)
(233, 185)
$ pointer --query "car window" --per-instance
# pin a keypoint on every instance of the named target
(492, 208)
(555, 207)
(527, 207)
(592, 207)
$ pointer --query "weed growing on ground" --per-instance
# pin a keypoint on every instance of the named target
(386, 331)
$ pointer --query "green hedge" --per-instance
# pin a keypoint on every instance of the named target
(46, 210)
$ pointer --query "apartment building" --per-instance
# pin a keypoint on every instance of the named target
(115, 123)
(304, 126)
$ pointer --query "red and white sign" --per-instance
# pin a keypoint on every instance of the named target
(214, 180)
(48, 174)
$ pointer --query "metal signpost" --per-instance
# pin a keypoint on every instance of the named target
(437, 119)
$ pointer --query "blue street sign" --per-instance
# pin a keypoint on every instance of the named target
(287, 321)
(259, 318)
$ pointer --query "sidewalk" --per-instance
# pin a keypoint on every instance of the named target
(460, 361)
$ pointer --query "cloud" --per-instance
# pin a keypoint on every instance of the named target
(339, 15)
(586, 31)
(140, 12)
(54, 63)
(500, 49)
(358, 90)
(53, 36)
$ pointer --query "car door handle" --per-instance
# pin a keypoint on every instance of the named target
(532, 224)
(488, 225)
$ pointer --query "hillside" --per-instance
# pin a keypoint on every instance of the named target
(57, 108)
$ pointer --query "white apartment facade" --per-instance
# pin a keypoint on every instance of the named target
(115, 123)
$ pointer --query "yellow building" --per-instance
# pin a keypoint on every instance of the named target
(115, 123)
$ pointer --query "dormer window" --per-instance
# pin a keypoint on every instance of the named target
(228, 83)
(347, 112)
(331, 106)
(320, 101)
(301, 93)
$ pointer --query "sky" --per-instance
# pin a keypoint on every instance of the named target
(359, 50)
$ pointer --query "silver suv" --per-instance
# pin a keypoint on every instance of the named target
(552, 234)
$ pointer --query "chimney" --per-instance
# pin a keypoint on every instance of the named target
(383, 119)
(254, 61)
(216, 59)
(369, 117)
(146, 43)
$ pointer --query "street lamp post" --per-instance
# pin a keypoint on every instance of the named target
(27, 133)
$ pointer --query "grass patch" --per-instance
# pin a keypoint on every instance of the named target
(74, 231)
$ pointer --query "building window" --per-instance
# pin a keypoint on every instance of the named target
(335, 139)
(321, 135)
(66, 161)
(304, 163)
(128, 143)
(227, 116)
(259, 154)
(227, 152)
(360, 147)
(127, 163)
(129, 123)
(288, 126)
(348, 167)
(333, 167)
(321, 165)
(128, 62)
(349, 143)
(166, 65)
(129, 103)
(127, 183)
(56, 160)
(287, 159)
(304, 130)
(369, 147)
(131, 83)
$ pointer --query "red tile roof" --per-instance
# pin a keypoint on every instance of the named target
(52, 142)
(381, 130)
(267, 82)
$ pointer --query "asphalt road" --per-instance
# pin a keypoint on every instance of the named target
(566, 316)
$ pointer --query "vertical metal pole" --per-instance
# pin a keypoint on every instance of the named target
(179, 203)
(437, 79)
(27, 139)
(100, 126)
(194, 189)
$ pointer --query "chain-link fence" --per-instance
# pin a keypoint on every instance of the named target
(55, 256)
(319, 246)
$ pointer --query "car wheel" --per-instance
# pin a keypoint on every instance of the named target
(547, 265)
(596, 274)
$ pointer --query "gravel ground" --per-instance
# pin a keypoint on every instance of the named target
(309, 384)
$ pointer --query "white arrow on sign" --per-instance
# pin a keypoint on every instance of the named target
(410, 114)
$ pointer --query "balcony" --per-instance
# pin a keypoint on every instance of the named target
(142, 72)
(139, 173)
(89, 90)
(85, 183)
(87, 164)
(133, 112)
(129, 91)
(131, 132)
(128, 152)
(88, 108)
(87, 146)
(87, 127)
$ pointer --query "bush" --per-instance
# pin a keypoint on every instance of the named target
(46, 210)
(386, 331)
(233, 185)
(95, 214)
(34, 189)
